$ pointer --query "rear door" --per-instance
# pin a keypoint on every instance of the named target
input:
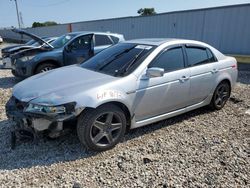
(202, 69)
(156, 96)
(101, 42)
(79, 50)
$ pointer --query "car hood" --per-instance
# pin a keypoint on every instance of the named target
(35, 37)
(29, 51)
(8, 48)
(60, 83)
(19, 48)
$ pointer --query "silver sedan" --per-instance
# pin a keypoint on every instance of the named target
(126, 86)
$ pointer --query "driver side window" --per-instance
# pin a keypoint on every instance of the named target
(82, 42)
(170, 60)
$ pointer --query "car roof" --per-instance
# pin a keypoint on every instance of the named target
(94, 32)
(160, 41)
(151, 41)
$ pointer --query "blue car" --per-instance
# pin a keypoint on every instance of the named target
(71, 48)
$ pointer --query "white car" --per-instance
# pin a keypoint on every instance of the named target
(128, 85)
(1, 39)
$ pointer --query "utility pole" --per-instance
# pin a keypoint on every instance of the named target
(17, 13)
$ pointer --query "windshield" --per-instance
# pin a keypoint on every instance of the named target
(61, 41)
(118, 60)
(30, 42)
(37, 44)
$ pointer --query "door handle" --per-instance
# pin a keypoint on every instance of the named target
(184, 78)
(215, 71)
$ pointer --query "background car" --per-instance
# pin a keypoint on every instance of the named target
(1, 39)
(71, 48)
(32, 44)
(126, 86)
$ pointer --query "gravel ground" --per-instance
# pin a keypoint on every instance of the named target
(198, 149)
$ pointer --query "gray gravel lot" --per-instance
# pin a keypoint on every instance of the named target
(198, 149)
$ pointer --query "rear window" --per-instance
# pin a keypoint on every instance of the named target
(101, 40)
(115, 39)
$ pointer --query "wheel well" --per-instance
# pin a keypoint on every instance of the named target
(124, 108)
(227, 81)
(47, 61)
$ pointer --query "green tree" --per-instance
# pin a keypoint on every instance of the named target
(37, 24)
(146, 11)
(48, 23)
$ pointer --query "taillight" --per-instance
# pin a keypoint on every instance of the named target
(234, 66)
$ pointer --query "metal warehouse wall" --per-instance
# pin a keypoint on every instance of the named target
(226, 28)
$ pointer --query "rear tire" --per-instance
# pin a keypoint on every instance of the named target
(102, 128)
(220, 96)
(44, 67)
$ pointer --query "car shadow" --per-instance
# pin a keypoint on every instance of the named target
(8, 82)
(243, 77)
(66, 148)
(44, 152)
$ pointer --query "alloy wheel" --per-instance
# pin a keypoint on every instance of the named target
(106, 129)
(222, 95)
(45, 69)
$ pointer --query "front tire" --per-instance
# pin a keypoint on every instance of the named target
(220, 96)
(14, 73)
(102, 128)
(44, 67)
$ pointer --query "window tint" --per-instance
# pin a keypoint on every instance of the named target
(101, 40)
(120, 59)
(82, 42)
(169, 60)
(62, 40)
(211, 56)
(30, 42)
(115, 39)
(197, 56)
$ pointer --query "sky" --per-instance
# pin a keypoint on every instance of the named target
(67, 11)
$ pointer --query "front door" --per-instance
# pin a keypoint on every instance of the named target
(156, 96)
(79, 50)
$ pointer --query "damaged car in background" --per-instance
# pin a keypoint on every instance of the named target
(35, 42)
(71, 48)
(126, 86)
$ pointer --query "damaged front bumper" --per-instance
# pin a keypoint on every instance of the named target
(53, 124)
(6, 63)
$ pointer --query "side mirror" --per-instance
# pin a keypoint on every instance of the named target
(154, 72)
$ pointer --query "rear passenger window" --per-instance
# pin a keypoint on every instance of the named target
(198, 56)
(211, 56)
(169, 60)
(101, 40)
(115, 39)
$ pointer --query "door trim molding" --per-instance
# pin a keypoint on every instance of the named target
(136, 124)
